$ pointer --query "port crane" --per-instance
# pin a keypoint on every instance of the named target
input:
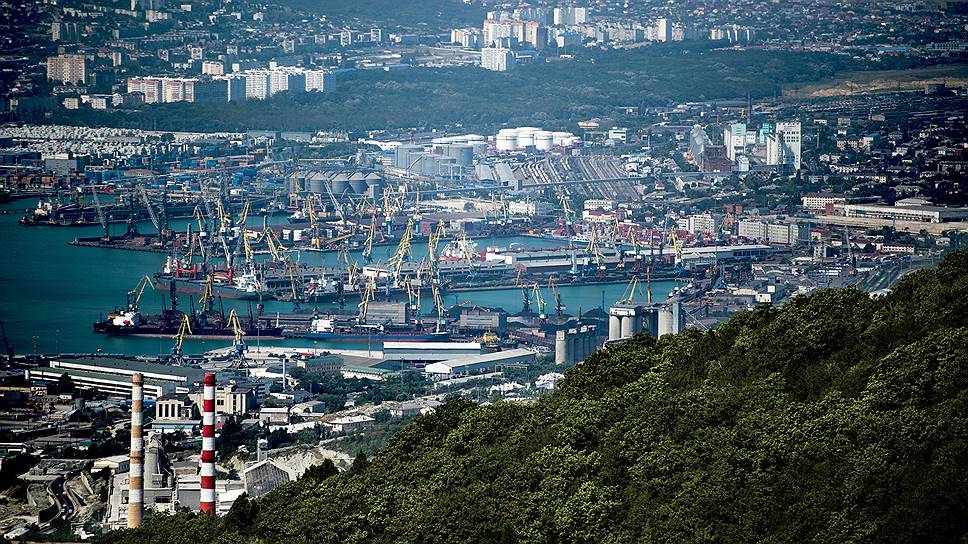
(438, 305)
(8, 349)
(184, 328)
(404, 251)
(525, 297)
(556, 296)
(100, 213)
(365, 298)
(368, 246)
(151, 211)
(134, 296)
(539, 301)
(238, 332)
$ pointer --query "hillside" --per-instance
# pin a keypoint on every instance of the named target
(835, 418)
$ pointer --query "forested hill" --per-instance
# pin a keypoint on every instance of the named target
(836, 418)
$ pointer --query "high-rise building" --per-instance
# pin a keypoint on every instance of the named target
(471, 38)
(734, 138)
(67, 69)
(663, 30)
(316, 80)
(284, 80)
(65, 31)
(148, 86)
(570, 16)
(235, 88)
(376, 35)
(498, 59)
(789, 134)
(212, 68)
(257, 84)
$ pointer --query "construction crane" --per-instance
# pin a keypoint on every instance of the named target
(184, 328)
(100, 213)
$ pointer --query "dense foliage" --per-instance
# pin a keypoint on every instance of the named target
(554, 95)
(835, 418)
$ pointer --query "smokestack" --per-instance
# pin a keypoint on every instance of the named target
(207, 502)
(136, 471)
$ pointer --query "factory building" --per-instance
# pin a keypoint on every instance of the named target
(478, 364)
(422, 352)
(113, 375)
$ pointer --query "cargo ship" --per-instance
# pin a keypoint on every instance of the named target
(328, 329)
(75, 215)
(132, 323)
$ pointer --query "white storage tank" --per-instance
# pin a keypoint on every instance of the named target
(526, 137)
(506, 142)
(544, 140)
(560, 138)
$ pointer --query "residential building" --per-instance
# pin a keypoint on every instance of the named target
(497, 59)
(70, 69)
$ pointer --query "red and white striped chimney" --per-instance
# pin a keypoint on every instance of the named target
(137, 454)
(207, 502)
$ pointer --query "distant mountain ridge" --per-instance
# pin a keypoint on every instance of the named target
(835, 418)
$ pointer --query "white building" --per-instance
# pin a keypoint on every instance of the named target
(497, 59)
(789, 134)
(316, 80)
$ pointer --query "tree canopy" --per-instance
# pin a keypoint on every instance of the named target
(838, 417)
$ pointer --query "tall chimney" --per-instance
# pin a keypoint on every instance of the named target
(207, 502)
(136, 471)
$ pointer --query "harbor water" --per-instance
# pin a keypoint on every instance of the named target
(51, 293)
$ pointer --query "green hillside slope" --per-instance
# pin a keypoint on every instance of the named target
(835, 418)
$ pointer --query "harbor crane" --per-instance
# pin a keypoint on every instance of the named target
(525, 297)
(184, 328)
(556, 296)
(539, 301)
(438, 305)
(238, 333)
(404, 251)
(151, 211)
(366, 296)
(134, 296)
(100, 213)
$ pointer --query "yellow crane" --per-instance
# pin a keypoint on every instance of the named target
(432, 242)
(238, 332)
(595, 250)
(556, 296)
(629, 295)
(404, 250)
(368, 247)
(138, 291)
(185, 327)
(365, 297)
(207, 298)
(275, 246)
(244, 216)
(674, 238)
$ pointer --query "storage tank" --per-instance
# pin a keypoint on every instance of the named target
(463, 153)
(544, 140)
(561, 138)
(506, 142)
(526, 137)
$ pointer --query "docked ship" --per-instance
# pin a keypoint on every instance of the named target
(190, 280)
(131, 322)
(48, 213)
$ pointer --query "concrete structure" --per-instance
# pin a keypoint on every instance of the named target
(136, 466)
(912, 213)
(207, 473)
(350, 423)
(574, 345)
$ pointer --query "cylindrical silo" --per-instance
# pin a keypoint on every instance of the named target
(561, 348)
(665, 321)
(570, 339)
(358, 183)
(628, 326)
(340, 184)
(614, 327)
(316, 185)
